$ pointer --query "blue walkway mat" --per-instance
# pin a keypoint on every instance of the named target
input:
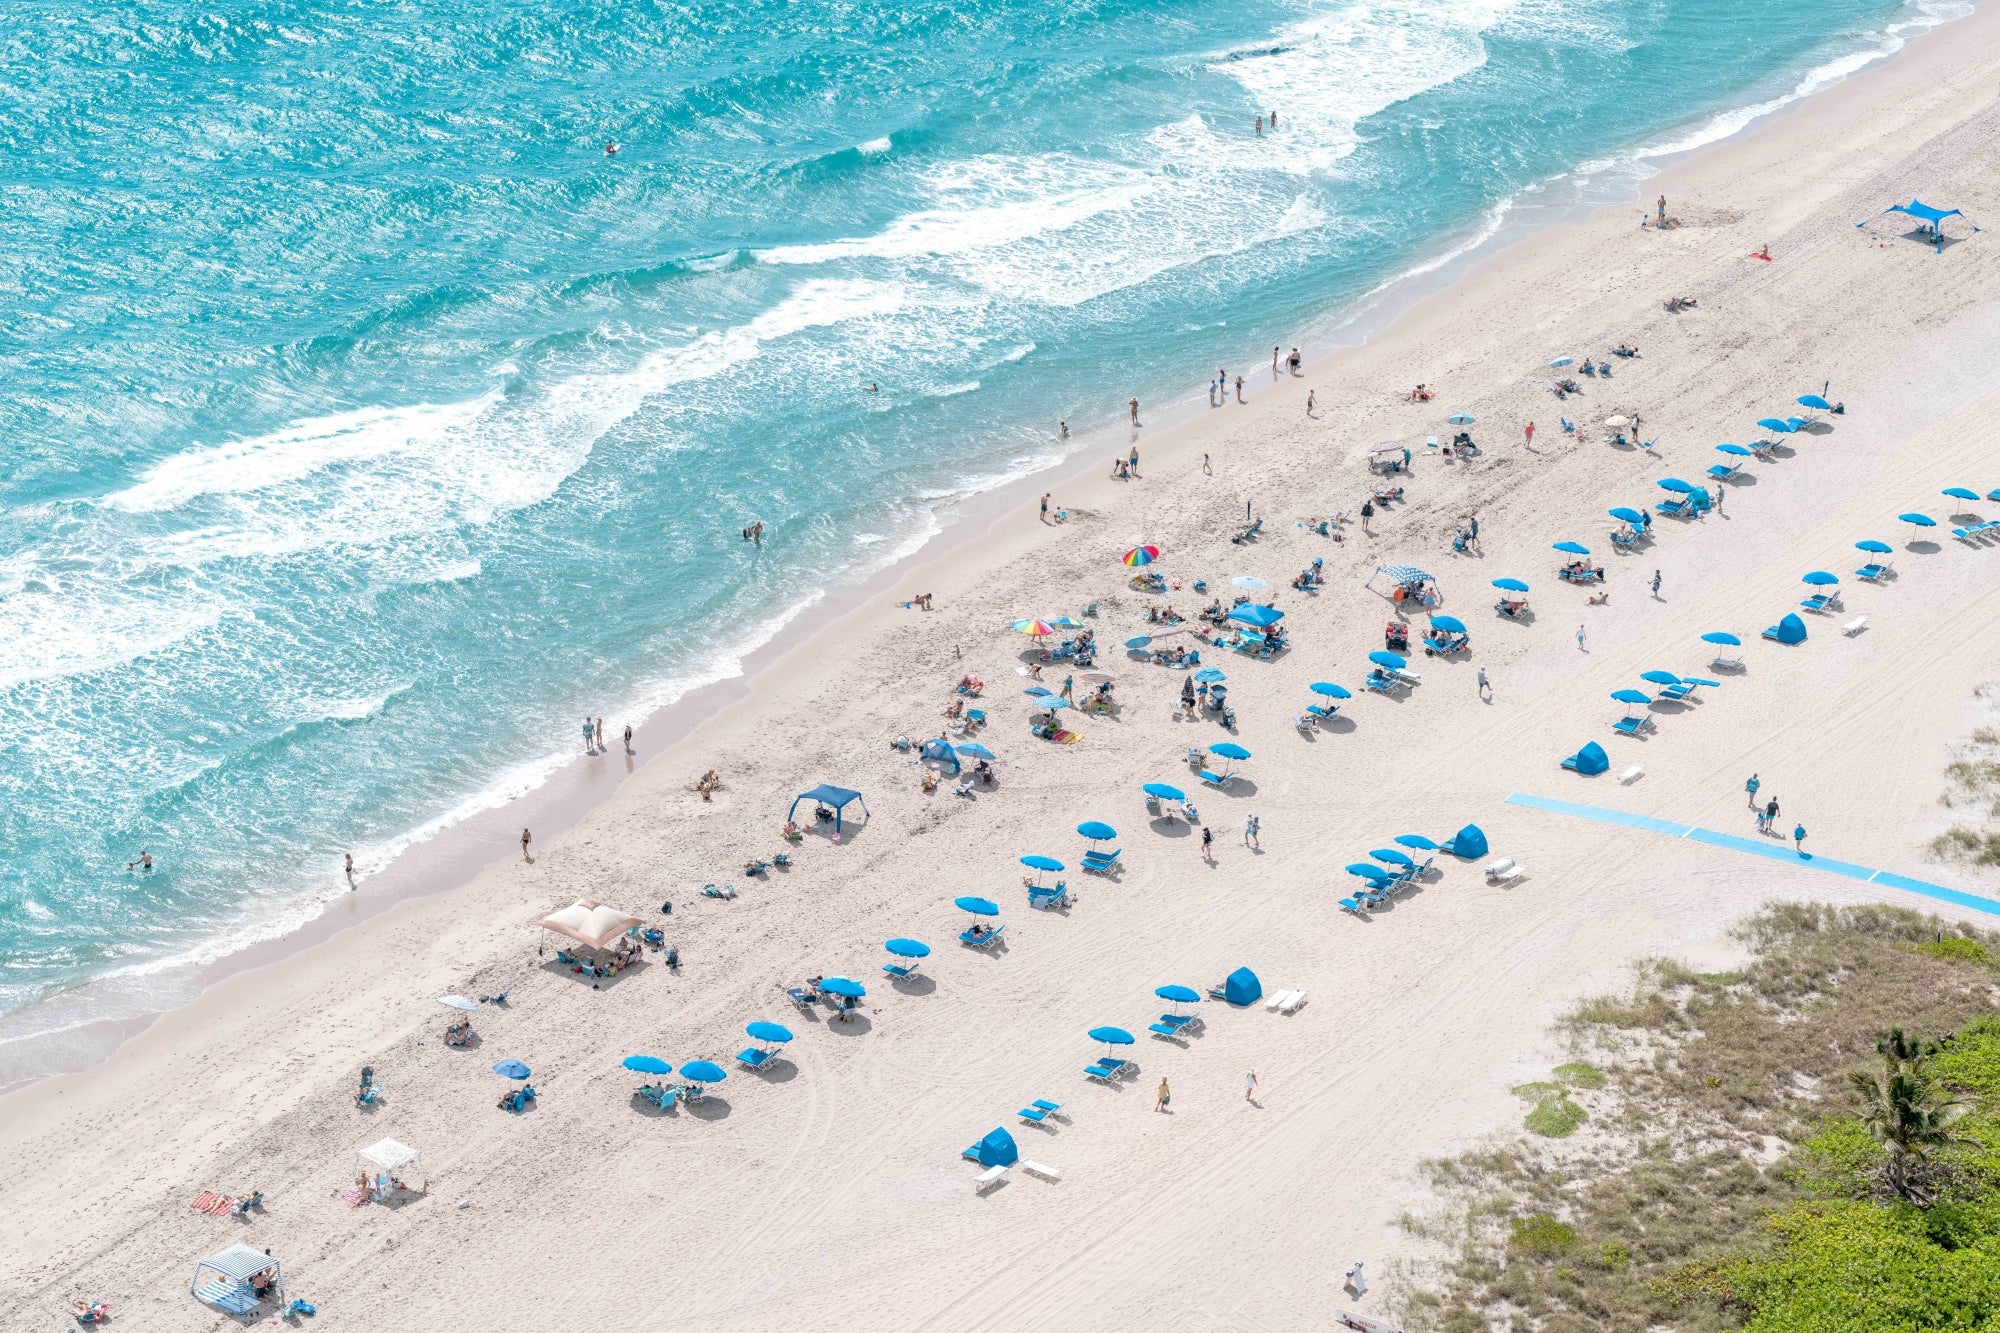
(1774, 850)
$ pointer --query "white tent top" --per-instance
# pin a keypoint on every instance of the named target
(238, 1263)
(388, 1155)
(589, 923)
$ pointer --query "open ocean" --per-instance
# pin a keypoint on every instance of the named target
(365, 425)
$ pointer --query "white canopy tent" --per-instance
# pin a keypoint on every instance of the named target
(386, 1157)
(589, 922)
(228, 1273)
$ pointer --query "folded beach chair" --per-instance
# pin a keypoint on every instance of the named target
(1101, 863)
(1048, 1173)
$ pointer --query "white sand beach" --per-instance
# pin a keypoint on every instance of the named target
(829, 1191)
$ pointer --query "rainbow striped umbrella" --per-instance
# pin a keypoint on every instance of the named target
(1142, 555)
(1039, 629)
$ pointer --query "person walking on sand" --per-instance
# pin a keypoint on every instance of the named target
(1163, 1097)
(1250, 828)
(1132, 460)
(1579, 640)
(1530, 433)
(1485, 689)
(1367, 512)
(1771, 815)
(1068, 683)
(526, 838)
(1656, 585)
(1799, 838)
(1751, 788)
(1250, 1086)
(1207, 844)
(1045, 506)
(1135, 410)
(1206, 471)
(1309, 402)
(1719, 490)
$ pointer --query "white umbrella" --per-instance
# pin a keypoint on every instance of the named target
(1562, 361)
(459, 1002)
(1617, 422)
(1249, 582)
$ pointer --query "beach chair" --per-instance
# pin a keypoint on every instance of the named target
(1048, 1173)
(1624, 539)
(1680, 693)
(1407, 676)
(1967, 535)
(988, 1176)
(1101, 863)
(1039, 1110)
(900, 971)
(1631, 775)
(1764, 450)
(1354, 905)
(1293, 1003)
(1499, 869)
(1041, 898)
(1380, 681)
(984, 941)
(1632, 726)
(1872, 572)
(1216, 780)
(1854, 626)
(1721, 663)
(1100, 1073)
(1722, 471)
(755, 1057)
(1248, 534)
(800, 997)
(1675, 508)
(1822, 602)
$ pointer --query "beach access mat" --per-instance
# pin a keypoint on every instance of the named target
(215, 1205)
(1067, 737)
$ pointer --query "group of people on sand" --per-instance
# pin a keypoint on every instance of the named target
(921, 602)
(708, 784)
(458, 1034)
(1163, 615)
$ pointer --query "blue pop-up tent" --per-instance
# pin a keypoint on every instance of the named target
(1242, 987)
(1258, 617)
(826, 794)
(1931, 219)
(1590, 759)
(1469, 842)
(1789, 630)
(996, 1149)
(940, 750)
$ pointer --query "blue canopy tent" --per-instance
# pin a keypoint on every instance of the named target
(1469, 842)
(940, 750)
(1257, 617)
(1928, 218)
(1590, 759)
(825, 794)
(996, 1149)
(1242, 987)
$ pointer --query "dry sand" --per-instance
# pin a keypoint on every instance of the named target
(829, 1192)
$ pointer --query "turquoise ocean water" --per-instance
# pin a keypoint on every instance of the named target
(365, 425)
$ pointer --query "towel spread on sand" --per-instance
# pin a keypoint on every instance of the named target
(215, 1205)
(354, 1197)
(1067, 737)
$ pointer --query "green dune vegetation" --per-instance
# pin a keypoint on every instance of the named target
(1808, 1145)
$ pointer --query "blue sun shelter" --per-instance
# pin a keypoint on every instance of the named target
(996, 1149)
(1469, 843)
(1930, 221)
(1240, 988)
(1789, 630)
(1589, 760)
(839, 798)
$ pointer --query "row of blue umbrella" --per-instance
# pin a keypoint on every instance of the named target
(1116, 1036)
(1402, 860)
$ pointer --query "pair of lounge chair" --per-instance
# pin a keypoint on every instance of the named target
(1175, 1025)
(1043, 897)
(1039, 1110)
(1820, 603)
(1216, 780)
(1680, 693)
(1101, 863)
(1382, 681)
(1285, 1002)
(984, 940)
(1873, 571)
(1505, 871)
(1440, 644)
(1108, 1068)
(1723, 471)
(1633, 725)
(1977, 533)
(658, 1094)
(756, 1057)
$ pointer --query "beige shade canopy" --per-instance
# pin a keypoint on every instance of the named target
(387, 1156)
(589, 923)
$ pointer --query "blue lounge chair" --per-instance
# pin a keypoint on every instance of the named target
(1042, 898)
(800, 997)
(1101, 863)
(984, 941)
(1872, 572)
(1217, 780)
(1632, 726)
(900, 971)
(1381, 682)
(1722, 471)
(1100, 1073)
(1354, 905)
(1163, 1030)
(755, 1057)
(662, 1097)
(1822, 602)
(1033, 1114)
(1674, 508)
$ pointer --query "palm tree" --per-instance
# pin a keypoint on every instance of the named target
(1909, 1117)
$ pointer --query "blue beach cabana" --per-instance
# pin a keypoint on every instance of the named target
(1929, 220)
(1589, 760)
(836, 797)
(1241, 988)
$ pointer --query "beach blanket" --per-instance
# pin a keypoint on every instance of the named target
(354, 1198)
(215, 1205)
(1066, 737)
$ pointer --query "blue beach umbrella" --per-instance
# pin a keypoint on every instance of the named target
(1366, 871)
(1210, 675)
(1872, 546)
(764, 1031)
(1572, 548)
(647, 1064)
(1918, 520)
(1631, 697)
(1096, 830)
(1660, 677)
(1461, 418)
(1049, 703)
(1773, 423)
(1735, 450)
(1390, 856)
(1819, 578)
(977, 906)
(973, 748)
(1675, 484)
(1814, 401)
(1627, 515)
(1510, 585)
(1961, 493)
(1041, 863)
(853, 990)
(511, 1069)
(1416, 841)
(1138, 641)
(1037, 691)
(1228, 750)
(1993, 494)
(703, 1071)
(1110, 1036)
(1449, 624)
(1067, 622)
(1723, 637)
(903, 948)
(1164, 792)
(1381, 657)
(1178, 994)
(1330, 690)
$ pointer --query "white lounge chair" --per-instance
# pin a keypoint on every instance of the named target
(988, 1176)
(1293, 1002)
(1037, 1169)
(1632, 774)
(1504, 871)
(1854, 626)
(1276, 1000)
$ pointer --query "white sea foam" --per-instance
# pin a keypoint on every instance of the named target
(874, 147)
